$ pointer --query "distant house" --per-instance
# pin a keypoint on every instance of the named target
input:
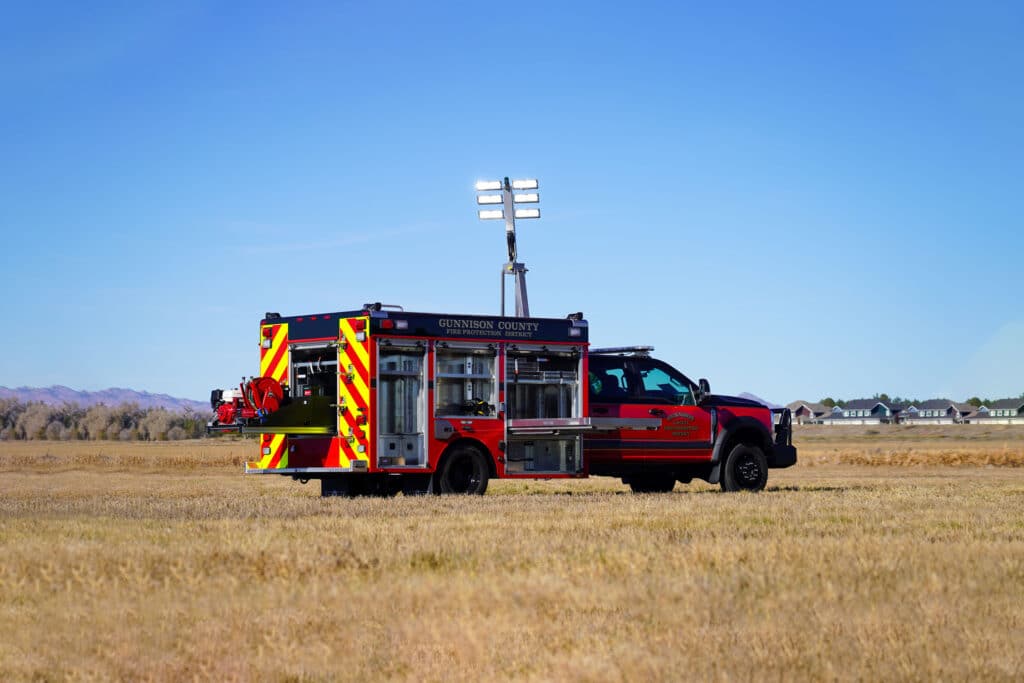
(865, 411)
(1003, 411)
(938, 411)
(805, 412)
(966, 411)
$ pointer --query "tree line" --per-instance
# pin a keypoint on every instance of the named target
(125, 422)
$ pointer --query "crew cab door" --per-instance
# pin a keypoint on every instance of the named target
(687, 429)
(611, 385)
(640, 387)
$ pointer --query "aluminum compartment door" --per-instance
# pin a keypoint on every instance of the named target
(401, 394)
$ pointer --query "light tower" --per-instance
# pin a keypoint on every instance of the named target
(508, 200)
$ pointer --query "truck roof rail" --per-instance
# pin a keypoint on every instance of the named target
(635, 350)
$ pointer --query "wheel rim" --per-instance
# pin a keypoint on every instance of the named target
(748, 471)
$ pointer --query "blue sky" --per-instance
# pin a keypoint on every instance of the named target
(795, 200)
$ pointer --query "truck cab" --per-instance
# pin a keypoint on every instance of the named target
(726, 440)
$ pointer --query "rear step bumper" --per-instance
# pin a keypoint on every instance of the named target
(782, 456)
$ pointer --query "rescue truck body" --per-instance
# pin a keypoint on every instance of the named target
(379, 400)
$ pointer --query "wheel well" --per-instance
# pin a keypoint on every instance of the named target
(491, 470)
(748, 436)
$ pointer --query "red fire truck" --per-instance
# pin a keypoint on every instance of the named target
(379, 400)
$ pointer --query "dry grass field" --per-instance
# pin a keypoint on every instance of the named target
(896, 555)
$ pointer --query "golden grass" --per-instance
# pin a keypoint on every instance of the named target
(905, 445)
(153, 568)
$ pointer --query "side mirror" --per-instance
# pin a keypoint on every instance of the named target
(703, 390)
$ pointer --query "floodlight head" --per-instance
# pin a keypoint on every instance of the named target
(527, 184)
(527, 213)
(491, 214)
(526, 198)
(488, 185)
(488, 199)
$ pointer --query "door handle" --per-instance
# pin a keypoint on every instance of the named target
(657, 412)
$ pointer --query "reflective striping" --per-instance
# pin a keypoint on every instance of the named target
(361, 350)
(274, 361)
(278, 455)
(280, 458)
(353, 395)
(280, 370)
(359, 365)
(333, 458)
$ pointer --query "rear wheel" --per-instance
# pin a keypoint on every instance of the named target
(464, 471)
(745, 469)
(652, 483)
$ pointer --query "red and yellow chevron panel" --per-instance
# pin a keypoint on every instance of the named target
(273, 452)
(354, 416)
(274, 361)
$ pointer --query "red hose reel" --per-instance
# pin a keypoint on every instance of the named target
(257, 398)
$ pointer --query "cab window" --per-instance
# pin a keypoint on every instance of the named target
(658, 383)
(607, 380)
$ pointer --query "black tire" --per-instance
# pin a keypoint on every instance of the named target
(464, 472)
(652, 483)
(745, 469)
(338, 486)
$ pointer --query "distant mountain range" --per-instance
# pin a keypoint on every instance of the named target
(57, 395)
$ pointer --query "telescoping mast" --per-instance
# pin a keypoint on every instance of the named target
(509, 199)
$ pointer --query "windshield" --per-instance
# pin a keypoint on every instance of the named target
(658, 382)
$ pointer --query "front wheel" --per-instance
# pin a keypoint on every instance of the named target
(745, 469)
(464, 471)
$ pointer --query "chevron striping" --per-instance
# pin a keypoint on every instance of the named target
(362, 353)
(273, 361)
(272, 460)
